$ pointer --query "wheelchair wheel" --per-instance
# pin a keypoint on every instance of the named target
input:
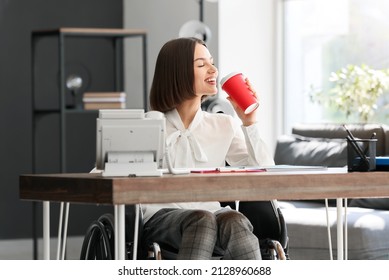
(98, 243)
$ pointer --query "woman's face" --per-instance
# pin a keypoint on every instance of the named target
(205, 73)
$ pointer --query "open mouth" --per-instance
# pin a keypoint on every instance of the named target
(211, 80)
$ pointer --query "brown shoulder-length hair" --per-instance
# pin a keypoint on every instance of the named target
(173, 80)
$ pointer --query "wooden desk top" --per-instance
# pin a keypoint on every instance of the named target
(93, 188)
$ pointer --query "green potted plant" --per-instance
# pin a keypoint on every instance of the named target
(355, 91)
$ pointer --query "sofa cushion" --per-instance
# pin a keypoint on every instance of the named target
(367, 232)
(374, 203)
(359, 130)
(299, 150)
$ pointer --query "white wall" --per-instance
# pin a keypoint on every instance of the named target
(247, 43)
(245, 37)
(162, 20)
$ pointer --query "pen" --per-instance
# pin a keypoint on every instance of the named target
(355, 146)
(357, 149)
(349, 132)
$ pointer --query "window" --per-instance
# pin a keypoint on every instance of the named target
(322, 36)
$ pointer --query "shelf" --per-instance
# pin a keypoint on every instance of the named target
(106, 32)
(57, 111)
(62, 108)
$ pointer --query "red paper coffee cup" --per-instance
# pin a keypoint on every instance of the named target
(235, 86)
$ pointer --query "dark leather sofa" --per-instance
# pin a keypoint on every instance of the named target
(367, 219)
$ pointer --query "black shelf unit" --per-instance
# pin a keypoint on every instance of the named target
(117, 35)
(61, 111)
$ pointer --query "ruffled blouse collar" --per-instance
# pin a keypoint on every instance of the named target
(182, 144)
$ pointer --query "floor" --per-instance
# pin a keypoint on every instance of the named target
(22, 249)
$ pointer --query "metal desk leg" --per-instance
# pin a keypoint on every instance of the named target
(65, 231)
(345, 231)
(328, 230)
(120, 244)
(62, 232)
(136, 232)
(339, 208)
(60, 223)
(46, 230)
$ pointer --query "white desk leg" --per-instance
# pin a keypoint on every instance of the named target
(46, 230)
(339, 207)
(345, 231)
(60, 223)
(120, 245)
(329, 231)
(62, 232)
(65, 230)
(136, 232)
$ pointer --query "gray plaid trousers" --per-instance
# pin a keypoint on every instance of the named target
(190, 234)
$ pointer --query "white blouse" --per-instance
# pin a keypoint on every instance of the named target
(210, 141)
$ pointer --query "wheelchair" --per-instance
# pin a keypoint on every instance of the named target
(266, 217)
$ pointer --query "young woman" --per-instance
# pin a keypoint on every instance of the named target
(184, 75)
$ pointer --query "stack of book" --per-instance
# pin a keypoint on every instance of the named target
(104, 100)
